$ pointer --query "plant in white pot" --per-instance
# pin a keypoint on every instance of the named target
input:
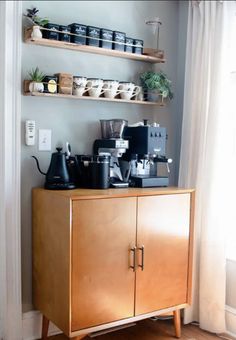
(36, 83)
(36, 21)
(156, 84)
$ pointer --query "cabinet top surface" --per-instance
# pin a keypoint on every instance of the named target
(78, 194)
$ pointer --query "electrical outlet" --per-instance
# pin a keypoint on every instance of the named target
(45, 140)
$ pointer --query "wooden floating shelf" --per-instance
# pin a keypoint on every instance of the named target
(89, 49)
(68, 96)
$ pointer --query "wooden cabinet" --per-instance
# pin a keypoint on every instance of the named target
(102, 284)
(104, 258)
(163, 231)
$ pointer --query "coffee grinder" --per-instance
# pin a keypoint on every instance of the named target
(113, 145)
(147, 149)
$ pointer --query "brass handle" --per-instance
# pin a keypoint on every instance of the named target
(134, 258)
(142, 264)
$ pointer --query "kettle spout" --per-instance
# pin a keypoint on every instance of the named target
(37, 163)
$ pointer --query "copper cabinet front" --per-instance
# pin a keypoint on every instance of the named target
(163, 224)
(102, 282)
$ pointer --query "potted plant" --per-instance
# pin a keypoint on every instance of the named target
(36, 77)
(37, 22)
(156, 84)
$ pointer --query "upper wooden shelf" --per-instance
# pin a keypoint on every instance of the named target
(89, 49)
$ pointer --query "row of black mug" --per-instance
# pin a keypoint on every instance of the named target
(93, 36)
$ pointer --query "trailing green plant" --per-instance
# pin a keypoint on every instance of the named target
(157, 81)
(36, 75)
(32, 15)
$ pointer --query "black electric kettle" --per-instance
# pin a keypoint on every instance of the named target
(57, 176)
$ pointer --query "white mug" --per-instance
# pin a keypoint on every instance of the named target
(128, 90)
(139, 95)
(95, 87)
(79, 86)
(110, 88)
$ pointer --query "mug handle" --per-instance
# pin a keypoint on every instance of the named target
(105, 88)
(120, 89)
(87, 87)
(102, 91)
(135, 92)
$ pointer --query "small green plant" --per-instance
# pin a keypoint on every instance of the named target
(157, 82)
(32, 15)
(36, 75)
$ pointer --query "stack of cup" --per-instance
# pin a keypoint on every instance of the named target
(108, 87)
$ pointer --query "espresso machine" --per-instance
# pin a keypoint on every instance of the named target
(112, 144)
(147, 150)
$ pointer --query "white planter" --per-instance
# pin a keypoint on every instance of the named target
(36, 33)
(36, 87)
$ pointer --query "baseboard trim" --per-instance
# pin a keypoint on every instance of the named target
(32, 322)
(232, 335)
(230, 316)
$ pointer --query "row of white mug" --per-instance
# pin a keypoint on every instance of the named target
(110, 88)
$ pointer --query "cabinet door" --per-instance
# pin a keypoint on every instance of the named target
(163, 230)
(103, 232)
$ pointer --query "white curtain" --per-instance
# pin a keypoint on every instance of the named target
(208, 143)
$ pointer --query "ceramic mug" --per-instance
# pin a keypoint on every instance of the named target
(110, 88)
(80, 85)
(139, 94)
(95, 87)
(128, 90)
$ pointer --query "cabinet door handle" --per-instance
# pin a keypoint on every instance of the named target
(142, 264)
(134, 258)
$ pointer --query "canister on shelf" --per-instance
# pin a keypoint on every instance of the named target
(64, 36)
(50, 84)
(53, 34)
(93, 32)
(80, 32)
(65, 83)
(106, 36)
(138, 48)
(128, 42)
(119, 41)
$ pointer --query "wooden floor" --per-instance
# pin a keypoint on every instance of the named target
(151, 330)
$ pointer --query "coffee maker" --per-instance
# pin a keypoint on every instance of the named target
(147, 149)
(113, 145)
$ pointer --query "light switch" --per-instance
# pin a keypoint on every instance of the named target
(45, 140)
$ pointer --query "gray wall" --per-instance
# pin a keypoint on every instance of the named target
(78, 121)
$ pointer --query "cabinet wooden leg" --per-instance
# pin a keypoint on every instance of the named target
(45, 325)
(177, 323)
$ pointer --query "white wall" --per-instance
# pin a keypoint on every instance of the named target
(78, 121)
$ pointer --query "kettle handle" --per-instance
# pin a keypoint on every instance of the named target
(37, 162)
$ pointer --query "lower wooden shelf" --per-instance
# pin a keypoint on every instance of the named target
(67, 96)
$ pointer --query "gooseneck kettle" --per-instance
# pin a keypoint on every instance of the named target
(57, 176)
